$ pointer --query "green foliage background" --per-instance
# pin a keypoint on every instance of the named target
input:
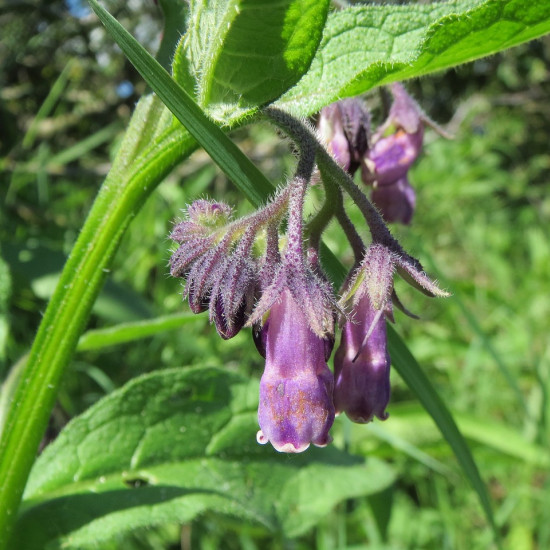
(481, 226)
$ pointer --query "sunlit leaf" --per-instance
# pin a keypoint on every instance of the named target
(366, 46)
(172, 445)
(245, 53)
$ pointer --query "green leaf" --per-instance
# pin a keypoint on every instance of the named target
(127, 332)
(246, 53)
(410, 371)
(364, 47)
(174, 444)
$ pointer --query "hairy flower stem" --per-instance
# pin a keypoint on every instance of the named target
(298, 186)
(295, 249)
(351, 233)
(304, 137)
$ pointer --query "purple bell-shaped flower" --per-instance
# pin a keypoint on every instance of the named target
(296, 406)
(362, 366)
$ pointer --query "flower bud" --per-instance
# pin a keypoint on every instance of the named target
(345, 127)
(233, 296)
(396, 201)
(388, 161)
(362, 366)
(210, 214)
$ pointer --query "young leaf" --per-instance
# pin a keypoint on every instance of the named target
(363, 47)
(246, 53)
(169, 446)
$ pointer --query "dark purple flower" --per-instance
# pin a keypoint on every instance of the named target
(362, 366)
(296, 406)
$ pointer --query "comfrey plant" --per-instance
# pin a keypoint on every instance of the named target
(283, 293)
(178, 432)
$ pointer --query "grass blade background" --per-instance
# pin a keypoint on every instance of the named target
(126, 332)
(406, 365)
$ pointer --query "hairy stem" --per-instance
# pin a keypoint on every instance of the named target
(304, 136)
(136, 173)
(357, 244)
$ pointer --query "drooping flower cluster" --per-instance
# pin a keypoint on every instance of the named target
(389, 153)
(248, 272)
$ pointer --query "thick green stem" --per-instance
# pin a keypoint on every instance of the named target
(320, 221)
(129, 184)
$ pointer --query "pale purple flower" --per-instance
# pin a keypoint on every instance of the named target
(391, 157)
(396, 144)
(396, 201)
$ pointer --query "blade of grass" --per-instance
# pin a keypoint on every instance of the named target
(49, 103)
(79, 149)
(406, 365)
(479, 332)
(256, 187)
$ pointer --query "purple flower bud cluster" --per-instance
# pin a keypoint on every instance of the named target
(386, 156)
(247, 272)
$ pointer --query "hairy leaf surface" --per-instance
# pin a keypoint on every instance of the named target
(172, 445)
(245, 53)
(363, 47)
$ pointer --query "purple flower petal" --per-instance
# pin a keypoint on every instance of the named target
(362, 369)
(296, 388)
(396, 202)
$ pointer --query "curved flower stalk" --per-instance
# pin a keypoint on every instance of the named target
(282, 293)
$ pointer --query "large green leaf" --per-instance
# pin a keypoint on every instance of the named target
(174, 444)
(246, 53)
(363, 47)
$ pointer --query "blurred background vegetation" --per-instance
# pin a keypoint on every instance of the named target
(481, 227)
